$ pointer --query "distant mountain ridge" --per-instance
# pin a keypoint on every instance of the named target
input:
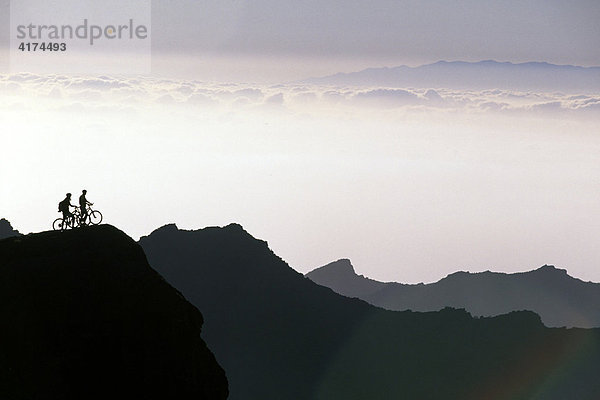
(6, 229)
(558, 298)
(488, 74)
(279, 335)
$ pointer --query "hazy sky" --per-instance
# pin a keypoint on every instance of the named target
(238, 39)
(266, 39)
(409, 185)
(416, 31)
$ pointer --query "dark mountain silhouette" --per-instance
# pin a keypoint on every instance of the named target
(85, 317)
(6, 230)
(281, 336)
(487, 74)
(558, 298)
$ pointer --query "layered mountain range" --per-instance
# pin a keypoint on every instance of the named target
(489, 74)
(281, 336)
(87, 317)
(559, 299)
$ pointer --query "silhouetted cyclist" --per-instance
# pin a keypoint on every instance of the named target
(64, 207)
(83, 203)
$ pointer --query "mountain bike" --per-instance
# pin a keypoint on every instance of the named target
(93, 217)
(71, 222)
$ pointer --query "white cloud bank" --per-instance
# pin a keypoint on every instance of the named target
(104, 90)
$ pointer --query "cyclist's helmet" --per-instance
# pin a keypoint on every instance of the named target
(68, 194)
(84, 191)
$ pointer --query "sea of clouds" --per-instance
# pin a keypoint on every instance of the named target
(102, 92)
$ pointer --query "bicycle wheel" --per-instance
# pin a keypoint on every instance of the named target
(95, 217)
(58, 224)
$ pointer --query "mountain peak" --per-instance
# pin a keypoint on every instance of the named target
(551, 268)
(232, 234)
(234, 226)
(167, 228)
(341, 266)
(173, 228)
(341, 277)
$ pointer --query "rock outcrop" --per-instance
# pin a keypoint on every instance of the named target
(6, 229)
(85, 317)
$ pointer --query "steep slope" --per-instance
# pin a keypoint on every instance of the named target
(85, 317)
(487, 74)
(280, 336)
(558, 298)
(6, 230)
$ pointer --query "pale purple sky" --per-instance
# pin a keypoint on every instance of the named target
(326, 36)
(414, 31)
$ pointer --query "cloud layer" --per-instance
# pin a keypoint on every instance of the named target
(106, 91)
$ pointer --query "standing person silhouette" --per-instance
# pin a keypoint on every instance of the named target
(83, 203)
(65, 207)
